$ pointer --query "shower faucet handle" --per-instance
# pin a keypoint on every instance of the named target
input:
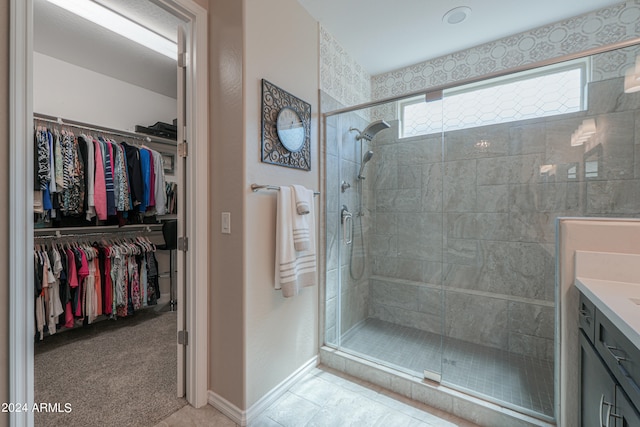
(346, 217)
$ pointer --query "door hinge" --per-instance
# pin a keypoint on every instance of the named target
(182, 60)
(183, 337)
(183, 149)
(183, 244)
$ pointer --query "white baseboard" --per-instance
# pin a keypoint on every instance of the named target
(236, 414)
(276, 393)
(241, 417)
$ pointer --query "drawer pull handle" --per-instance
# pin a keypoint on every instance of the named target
(585, 314)
(615, 356)
(608, 414)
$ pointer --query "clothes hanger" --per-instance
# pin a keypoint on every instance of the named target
(152, 245)
(141, 241)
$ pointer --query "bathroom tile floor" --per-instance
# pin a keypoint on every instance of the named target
(325, 398)
(500, 376)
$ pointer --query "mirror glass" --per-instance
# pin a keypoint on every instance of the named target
(290, 129)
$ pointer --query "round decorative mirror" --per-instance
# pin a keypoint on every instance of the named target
(290, 129)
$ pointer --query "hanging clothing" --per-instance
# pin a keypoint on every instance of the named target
(84, 281)
(122, 181)
(135, 173)
(160, 184)
(90, 165)
(99, 185)
(152, 180)
(145, 167)
(108, 174)
(59, 173)
(42, 157)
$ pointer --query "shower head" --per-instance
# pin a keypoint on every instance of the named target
(370, 131)
(365, 159)
(367, 156)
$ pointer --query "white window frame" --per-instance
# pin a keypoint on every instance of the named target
(582, 64)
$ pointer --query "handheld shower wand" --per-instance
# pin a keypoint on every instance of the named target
(367, 156)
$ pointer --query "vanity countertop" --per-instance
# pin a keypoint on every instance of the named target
(619, 301)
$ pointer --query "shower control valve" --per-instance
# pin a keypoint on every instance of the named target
(346, 218)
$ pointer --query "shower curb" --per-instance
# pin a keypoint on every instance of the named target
(440, 397)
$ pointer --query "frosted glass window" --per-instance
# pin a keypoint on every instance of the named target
(546, 93)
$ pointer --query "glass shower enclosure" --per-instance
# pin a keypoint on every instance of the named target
(440, 228)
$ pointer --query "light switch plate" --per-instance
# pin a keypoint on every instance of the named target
(226, 223)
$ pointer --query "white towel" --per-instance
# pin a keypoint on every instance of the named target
(294, 269)
(303, 199)
(303, 203)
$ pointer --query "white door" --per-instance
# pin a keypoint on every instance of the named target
(183, 338)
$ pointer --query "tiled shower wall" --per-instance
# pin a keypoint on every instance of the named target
(479, 218)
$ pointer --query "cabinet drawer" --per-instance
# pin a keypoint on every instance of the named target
(587, 316)
(626, 413)
(620, 355)
(596, 384)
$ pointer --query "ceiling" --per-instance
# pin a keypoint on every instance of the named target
(381, 35)
(65, 36)
(384, 35)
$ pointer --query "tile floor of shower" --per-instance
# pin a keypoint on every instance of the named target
(517, 381)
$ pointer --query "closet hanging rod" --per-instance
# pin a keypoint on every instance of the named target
(256, 187)
(86, 235)
(97, 231)
(94, 128)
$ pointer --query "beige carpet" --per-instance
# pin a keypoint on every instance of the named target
(112, 373)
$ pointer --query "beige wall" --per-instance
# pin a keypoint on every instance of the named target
(613, 235)
(281, 46)
(4, 205)
(226, 355)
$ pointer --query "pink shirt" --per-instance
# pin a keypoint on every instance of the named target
(71, 267)
(99, 186)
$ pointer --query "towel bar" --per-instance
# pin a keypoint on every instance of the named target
(256, 187)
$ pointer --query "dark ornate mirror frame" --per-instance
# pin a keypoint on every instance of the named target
(275, 99)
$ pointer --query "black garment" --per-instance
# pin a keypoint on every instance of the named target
(84, 155)
(77, 294)
(65, 289)
(153, 286)
(38, 275)
(136, 183)
(102, 257)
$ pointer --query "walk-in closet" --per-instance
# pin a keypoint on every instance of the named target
(106, 188)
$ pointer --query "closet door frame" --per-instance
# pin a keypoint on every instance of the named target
(21, 309)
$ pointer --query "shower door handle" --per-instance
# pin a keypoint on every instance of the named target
(346, 217)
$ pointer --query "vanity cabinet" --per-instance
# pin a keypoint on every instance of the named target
(619, 354)
(627, 412)
(587, 317)
(608, 379)
(597, 386)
